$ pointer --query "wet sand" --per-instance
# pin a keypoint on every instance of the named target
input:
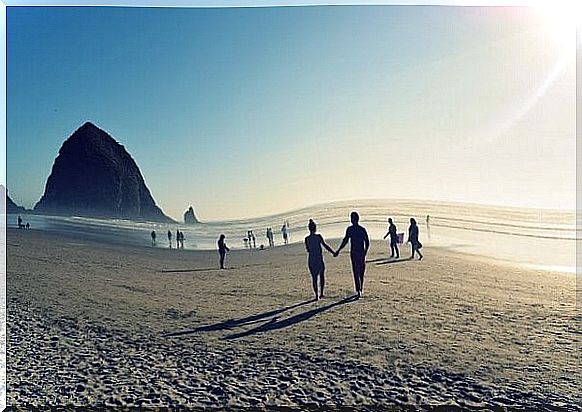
(104, 325)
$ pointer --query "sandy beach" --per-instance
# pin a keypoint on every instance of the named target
(99, 324)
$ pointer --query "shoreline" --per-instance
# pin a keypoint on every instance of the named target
(100, 324)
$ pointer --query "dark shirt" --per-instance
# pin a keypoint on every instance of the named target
(359, 240)
(413, 234)
(222, 246)
(392, 233)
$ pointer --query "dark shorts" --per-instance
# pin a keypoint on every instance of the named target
(316, 266)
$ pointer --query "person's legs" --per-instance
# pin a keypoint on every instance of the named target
(321, 281)
(314, 269)
(396, 251)
(361, 271)
(391, 250)
(222, 255)
(356, 271)
(413, 249)
(419, 254)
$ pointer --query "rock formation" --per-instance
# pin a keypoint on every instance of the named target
(95, 176)
(11, 207)
(190, 217)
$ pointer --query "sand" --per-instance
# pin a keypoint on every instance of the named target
(105, 325)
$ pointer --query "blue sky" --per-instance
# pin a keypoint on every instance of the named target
(243, 112)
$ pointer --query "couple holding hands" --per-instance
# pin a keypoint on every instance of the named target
(359, 245)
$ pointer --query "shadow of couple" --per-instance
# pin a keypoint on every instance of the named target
(274, 323)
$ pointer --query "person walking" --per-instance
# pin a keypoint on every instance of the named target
(315, 263)
(153, 235)
(222, 249)
(413, 239)
(394, 252)
(170, 238)
(359, 245)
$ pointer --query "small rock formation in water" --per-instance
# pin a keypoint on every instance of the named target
(190, 217)
(95, 176)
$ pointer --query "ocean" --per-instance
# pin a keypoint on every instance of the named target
(539, 238)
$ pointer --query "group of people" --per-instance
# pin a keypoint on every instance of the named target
(179, 239)
(359, 246)
(250, 241)
(22, 225)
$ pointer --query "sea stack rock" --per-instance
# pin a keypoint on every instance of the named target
(95, 176)
(190, 217)
(11, 207)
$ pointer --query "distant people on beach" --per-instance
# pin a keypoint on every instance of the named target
(182, 239)
(394, 252)
(285, 233)
(153, 235)
(170, 238)
(428, 225)
(222, 249)
(413, 239)
(177, 239)
(359, 245)
(20, 225)
(27, 225)
(315, 263)
(270, 237)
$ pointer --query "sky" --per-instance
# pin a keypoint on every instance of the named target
(244, 112)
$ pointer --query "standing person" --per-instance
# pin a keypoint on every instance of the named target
(359, 245)
(313, 244)
(222, 249)
(177, 239)
(268, 235)
(153, 235)
(428, 225)
(284, 232)
(20, 223)
(413, 239)
(182, 239)
(170, 238)
(393, 239)
(254, 240)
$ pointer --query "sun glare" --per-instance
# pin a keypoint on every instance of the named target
(561, 20)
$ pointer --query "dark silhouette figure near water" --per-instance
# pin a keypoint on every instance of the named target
(428, 225)
(222, 249)
(27, 225)
(153, 235)
(20, 225)
(359, 245)
(285, 234)
(413, 239)
(315, 263)
(170, 239)
(394, 252)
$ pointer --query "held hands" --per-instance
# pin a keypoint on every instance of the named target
(335, 254)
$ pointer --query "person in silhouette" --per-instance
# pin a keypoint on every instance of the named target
(359, 245)
(428, 225)
(413, 239)
(182, 239)
(254, 240)
(177, 239)
(153, 235)
(222, 249)
(393, 239)
(27, 225)
(313, 244)
(284, 233)
(20, 226)
(170, 238)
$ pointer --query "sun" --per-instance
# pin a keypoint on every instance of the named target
(561, 20)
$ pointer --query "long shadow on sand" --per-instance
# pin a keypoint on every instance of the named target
(233, 323)
(275, 324)
(189, 270)
(391, 261)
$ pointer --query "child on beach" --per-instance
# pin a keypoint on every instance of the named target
(313, 244)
